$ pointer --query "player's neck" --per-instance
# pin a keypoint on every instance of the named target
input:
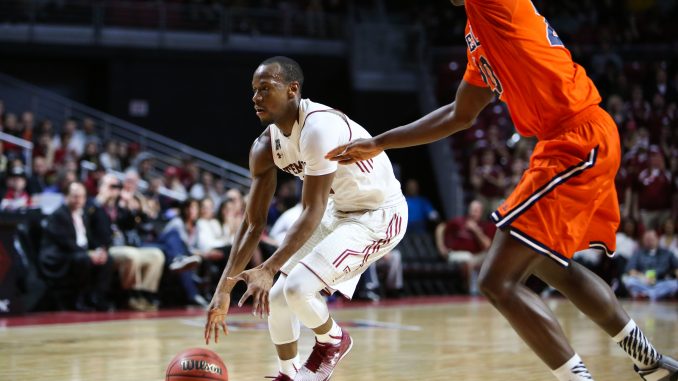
(286, 123)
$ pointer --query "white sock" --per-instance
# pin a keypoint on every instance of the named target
(290, 367)
(573, 370)
(637, 346)
(333, 336)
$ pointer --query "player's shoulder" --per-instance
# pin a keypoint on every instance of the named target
(318, 114)
(261, 154)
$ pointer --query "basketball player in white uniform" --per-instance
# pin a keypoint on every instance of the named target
(352, 215)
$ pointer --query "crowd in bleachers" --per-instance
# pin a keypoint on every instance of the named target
(100, 208)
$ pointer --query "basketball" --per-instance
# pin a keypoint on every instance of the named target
(196, 364)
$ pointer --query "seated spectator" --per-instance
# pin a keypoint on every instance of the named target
(205, 188)
(489, 181)
(75, 138)
(109, 158)
(91, 153)
(140, 268)
(179, 241)
(465, 240)
(89, 131)
(419, 208)
(668, 239)
(284, 223)
(173, 182)
(3, 158)
(68, 253)
(16, 196)
(38, 181)
(654, 191)
(652, 271)
(211, 240)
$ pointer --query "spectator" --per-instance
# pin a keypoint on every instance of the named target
(27, 126)
(652, 271)
(284, 223)
(419, 209)
(45, 148)
(91, 153)
(64, 178)
(16, 196)
(68, 253)
(285, 198)
(38, 181)
(489, 181)
(188, 172)
(465, 240)
(211, 240)
(139, 268)
(627, 238)
(205, 188)
(518, 167)
(89, 132)
(75, 139)
(3, 159)
(173, 182)
(179, 241)
(654, 191)
(124, 156)
(64, 150)
(668, 239)
(109, 158)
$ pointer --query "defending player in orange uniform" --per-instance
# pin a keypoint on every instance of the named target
(565, 201)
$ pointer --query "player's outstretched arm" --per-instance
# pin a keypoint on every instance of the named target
(315, 193)
(246, 240)
(443, 122)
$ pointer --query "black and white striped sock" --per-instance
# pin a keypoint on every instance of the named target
(573, 370)
(637, 346)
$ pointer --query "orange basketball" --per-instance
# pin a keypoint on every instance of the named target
(196, 364)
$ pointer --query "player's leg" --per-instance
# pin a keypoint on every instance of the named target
(302, 292)
(283, 327)
(506, 267)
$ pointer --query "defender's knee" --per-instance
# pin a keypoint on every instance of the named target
(496, 289)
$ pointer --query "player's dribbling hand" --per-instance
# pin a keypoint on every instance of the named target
(217, 311)
(259, 282)
(357, 150)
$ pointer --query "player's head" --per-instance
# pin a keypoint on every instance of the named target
(277, 86)
(457, 3)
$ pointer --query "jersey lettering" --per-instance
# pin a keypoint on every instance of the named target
(489, 76)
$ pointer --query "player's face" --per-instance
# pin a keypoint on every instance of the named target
(457, 3)
(271, 95)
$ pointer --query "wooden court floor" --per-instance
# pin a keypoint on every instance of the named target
(458, 340)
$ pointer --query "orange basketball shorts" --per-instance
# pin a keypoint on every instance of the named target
(566, 200)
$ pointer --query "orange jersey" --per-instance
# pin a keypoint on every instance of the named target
(513, 50)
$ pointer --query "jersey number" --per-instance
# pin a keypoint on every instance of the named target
(489, 77)
(551, 34)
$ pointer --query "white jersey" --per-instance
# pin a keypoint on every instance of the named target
(365, 185)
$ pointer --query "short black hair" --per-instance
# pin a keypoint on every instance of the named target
(290, 69)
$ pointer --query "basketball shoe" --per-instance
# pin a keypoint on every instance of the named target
(665, 370)
(280, 377)
(323, 359)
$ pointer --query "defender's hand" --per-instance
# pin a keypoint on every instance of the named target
(357, 150)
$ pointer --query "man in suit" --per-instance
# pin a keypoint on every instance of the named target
(70, 254)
